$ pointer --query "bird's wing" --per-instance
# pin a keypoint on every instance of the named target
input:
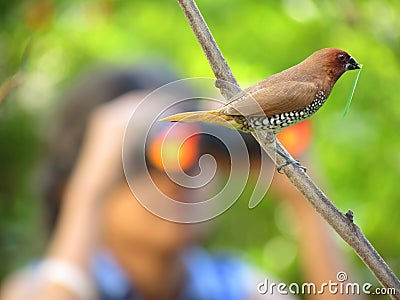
(272, 98)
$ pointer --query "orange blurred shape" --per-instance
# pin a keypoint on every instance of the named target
(175, 149)
(40, 15)
(297, 138)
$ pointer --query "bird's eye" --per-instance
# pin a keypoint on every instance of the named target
(341, 57)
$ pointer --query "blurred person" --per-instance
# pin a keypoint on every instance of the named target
(105, 244)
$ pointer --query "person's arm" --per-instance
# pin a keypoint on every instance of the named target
(97, 169)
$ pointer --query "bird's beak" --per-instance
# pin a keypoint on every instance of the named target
(352, 64)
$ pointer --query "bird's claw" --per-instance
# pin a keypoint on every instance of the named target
(293, 162)
(289, 161)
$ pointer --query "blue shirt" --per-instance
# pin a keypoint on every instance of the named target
(218, 277)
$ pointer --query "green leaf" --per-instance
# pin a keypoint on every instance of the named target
(352, 93)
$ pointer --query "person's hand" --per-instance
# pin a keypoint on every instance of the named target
(99, 164)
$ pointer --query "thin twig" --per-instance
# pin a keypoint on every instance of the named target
(342, 224)
(17, 79)
(9, 85)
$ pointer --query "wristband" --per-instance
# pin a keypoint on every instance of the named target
(68, 275)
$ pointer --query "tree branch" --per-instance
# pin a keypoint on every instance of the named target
(342, 224)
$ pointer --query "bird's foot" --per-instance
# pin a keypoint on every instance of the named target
(293, 162)
(289, 161)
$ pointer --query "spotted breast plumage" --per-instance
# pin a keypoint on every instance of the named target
(280, 121)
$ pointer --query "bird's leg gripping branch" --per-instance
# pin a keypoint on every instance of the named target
(289, 161)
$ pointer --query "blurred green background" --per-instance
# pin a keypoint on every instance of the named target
(357, 156)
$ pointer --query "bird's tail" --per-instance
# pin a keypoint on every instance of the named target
(208, 116)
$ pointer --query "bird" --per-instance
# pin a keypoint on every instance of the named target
(282, 99)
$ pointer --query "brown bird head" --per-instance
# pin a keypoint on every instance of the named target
(332, 62)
